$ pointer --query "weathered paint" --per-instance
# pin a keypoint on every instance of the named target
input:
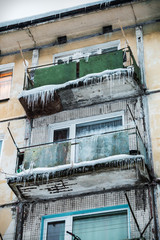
(97, 147)
(47, 155)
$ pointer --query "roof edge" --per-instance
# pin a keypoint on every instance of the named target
(59, 14)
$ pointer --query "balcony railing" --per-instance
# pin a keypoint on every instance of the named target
(57, 74)
(88, 148)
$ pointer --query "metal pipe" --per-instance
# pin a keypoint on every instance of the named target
(133, 213)
(69, 139)
(12, 137)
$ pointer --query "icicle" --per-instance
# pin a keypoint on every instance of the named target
(31, 166)
(47, 176)
(35, 176)
(87, 57)
(24, 182)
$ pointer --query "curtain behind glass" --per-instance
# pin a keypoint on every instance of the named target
(98, 127)
(103, 227)
(5, 85)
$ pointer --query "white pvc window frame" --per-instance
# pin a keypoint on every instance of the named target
(69, 219)
(86, 51)
(72, 128)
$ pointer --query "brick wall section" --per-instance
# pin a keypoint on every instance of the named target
(139, 200)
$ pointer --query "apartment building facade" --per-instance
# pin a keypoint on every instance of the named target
(78, 123)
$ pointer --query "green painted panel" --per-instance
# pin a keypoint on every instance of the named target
(101, 62)
(97, 147)
(47, 155)
(55, 74)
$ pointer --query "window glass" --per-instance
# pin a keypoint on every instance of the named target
(98, 126)
(55, 230)
(108, 226)
(61, 134)
(5, 84)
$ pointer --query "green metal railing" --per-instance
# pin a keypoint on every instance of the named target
(57, 74)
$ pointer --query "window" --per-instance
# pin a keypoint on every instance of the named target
(61, 134)
(104, 223)
(86, 134)
(73, 55)
(6, 73)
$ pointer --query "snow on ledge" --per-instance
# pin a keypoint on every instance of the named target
(48, 170)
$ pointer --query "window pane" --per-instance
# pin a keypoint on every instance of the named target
(5, 85)
(55, 231)
(98, 126)
(61, 134)
(102, 227)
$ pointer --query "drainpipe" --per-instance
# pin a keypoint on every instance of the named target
(19, 222)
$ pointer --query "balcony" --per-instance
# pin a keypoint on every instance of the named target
(53, 88)
(103, 161)
(88, 148)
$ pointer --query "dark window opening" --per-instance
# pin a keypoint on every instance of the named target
(62, 39)
(61, 134)
(20, 161)
(107, 29)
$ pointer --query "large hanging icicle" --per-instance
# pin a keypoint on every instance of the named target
(45, 94)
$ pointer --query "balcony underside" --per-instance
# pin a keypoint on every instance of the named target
(116, 172)
(91, 89)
